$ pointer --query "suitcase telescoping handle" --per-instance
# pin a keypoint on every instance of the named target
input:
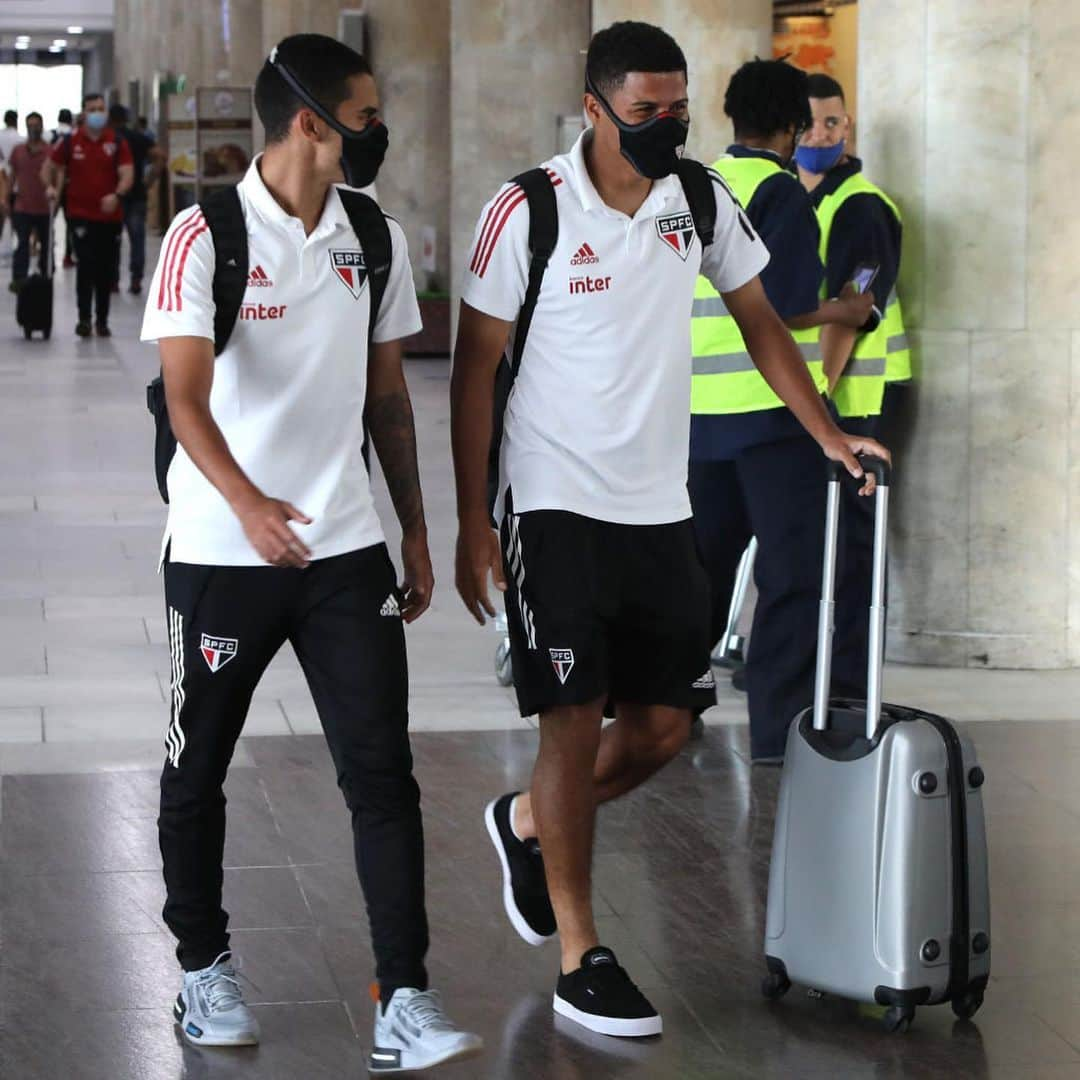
(876, 658)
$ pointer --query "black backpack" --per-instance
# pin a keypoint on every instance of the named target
(543, 236)
(225, 218)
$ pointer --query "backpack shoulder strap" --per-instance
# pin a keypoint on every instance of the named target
(543, 236)
(369, 223)
(67, 149)
(225, 217)
(701, 196)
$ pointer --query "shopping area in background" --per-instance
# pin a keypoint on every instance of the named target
(68, 179)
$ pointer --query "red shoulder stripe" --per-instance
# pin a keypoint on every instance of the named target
(485, 232)
(179, 277)
(508, 209)
(485, 249)
(172, 250)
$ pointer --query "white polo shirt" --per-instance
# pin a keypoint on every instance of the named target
(598, 421)
(289, 388)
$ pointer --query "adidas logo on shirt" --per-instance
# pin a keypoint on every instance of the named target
(390, 607)
(585, 256)
(705, 682)
(259, 279)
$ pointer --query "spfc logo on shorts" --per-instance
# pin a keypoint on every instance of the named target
(562, 660)
(350, 269)
(677, 231)
(217, 651)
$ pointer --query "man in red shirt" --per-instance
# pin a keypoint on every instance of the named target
(31, 203)
(98, 166)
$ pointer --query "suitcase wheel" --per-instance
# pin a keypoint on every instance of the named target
(27, 332)
(47, 333)
(897, 1019)
(967, 1006)
(774, 986)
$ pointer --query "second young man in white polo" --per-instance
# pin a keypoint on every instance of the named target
(270, 470)
(607, 599)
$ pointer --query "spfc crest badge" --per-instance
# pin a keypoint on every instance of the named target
(677, 231)
(217, 651)
(350, 269)
(563, 662)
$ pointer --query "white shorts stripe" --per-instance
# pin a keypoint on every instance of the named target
(517, 565)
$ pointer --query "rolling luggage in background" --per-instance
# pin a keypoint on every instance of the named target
(878, 886)
(34, 306)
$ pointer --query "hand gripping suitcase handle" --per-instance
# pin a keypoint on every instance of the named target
(878, 467)
(876, 651)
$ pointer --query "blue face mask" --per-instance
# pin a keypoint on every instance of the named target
(96, 121)
(818, 159)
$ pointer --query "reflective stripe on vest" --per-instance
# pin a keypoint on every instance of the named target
(898, 351)
(725, 380)
(859, 390)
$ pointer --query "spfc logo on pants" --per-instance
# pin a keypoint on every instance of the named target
(562, 660)
(217, 651)
(350, 269)
(677, 231)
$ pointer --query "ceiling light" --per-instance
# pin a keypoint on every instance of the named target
(74, 29)
(56, 48)
(20, 45)
(60, 42)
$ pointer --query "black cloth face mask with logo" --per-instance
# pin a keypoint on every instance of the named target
(362, 152)
(652, 147)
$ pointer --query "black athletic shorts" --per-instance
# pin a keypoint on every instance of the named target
(598, 609)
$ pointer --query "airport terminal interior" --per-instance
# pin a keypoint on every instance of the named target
(966, 112)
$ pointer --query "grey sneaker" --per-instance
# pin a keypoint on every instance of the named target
(416, 1033)
(210, 1009)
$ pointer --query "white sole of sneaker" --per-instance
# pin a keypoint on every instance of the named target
(637, 1028)
(517, 921)
(399, 1061)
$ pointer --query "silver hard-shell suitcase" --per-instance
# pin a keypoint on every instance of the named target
(878, 886)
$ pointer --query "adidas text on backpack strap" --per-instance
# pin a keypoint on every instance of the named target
(543, 236)
(225, 217)
(369, 223)
(701, 197)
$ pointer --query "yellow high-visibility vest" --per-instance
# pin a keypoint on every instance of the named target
(725, 380)
(861, 387)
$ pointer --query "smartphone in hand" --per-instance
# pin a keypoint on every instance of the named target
(864, 276)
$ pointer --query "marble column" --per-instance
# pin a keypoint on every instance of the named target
(970, 117)
(410, 51)
(716, 36)
(516, 66)
(209, 41)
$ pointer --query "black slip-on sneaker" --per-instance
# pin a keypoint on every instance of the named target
(603, 998)
(525, 893)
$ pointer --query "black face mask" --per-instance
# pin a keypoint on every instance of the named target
(652, 147)
(362, 152)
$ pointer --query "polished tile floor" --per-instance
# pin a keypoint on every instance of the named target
(86, 970)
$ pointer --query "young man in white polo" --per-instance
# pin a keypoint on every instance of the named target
(273, 537)
(607, 599)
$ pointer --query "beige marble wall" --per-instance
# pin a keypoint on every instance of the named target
(226, 41)
(410, 49)
(716, 36)
(209, 41)
(974, 127)
(516, 66)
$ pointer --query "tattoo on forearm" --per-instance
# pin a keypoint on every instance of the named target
(393, 434)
